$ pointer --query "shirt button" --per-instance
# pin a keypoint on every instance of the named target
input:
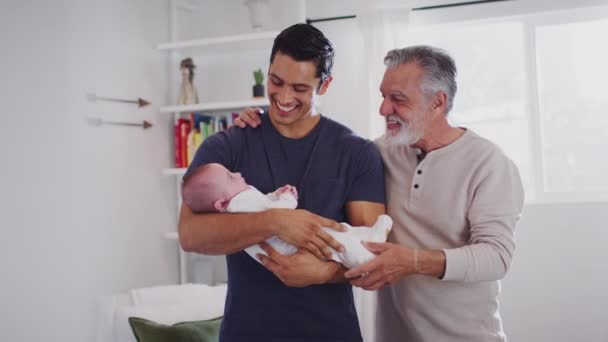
(419, 172)
(415, 186)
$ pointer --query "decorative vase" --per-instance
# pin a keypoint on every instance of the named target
(187, 93)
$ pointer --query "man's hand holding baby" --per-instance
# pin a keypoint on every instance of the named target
(304, 229)
(299, 269)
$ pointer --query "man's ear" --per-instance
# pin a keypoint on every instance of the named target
(325, 85)
(440, 101)
(221, 205)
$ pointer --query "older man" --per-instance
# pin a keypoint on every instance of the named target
(455, 198)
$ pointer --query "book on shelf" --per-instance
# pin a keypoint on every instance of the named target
(177, 145)
(184, 130)
(192, 131)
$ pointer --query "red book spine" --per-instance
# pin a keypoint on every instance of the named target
(177, 145)
(185, 129)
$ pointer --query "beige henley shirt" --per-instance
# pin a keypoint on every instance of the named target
(464, 199)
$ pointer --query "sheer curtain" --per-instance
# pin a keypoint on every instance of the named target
(383, 24)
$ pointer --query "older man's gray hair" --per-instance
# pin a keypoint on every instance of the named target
(439, 69)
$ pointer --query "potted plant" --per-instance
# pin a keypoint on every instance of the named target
(258, 88)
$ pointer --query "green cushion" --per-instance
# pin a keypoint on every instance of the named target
(195, 331)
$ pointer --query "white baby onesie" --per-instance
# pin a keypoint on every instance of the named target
(355, 254)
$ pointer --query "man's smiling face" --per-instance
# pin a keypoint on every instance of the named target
(404, 105)
(293, 89)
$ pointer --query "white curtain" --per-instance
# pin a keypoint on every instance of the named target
(383, 24)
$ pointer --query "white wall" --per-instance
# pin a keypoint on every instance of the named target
(213, 18)
(225, 73)
(557, 288)
(346, 99)
(82, 208)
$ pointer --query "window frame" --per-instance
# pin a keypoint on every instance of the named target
(532, 15)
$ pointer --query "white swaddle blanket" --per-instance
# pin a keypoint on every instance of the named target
(355, 254)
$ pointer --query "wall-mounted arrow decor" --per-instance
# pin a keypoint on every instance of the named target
(93, 98)
(98, 122)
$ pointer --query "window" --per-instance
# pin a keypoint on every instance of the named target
(572, 72)
(534, 84)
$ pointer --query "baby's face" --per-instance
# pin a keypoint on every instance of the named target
(231, 183)
(235, 184)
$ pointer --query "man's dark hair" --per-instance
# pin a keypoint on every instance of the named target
(304, 42)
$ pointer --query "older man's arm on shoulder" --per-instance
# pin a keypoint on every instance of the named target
(493, 215)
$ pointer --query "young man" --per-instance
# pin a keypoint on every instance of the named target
(339, 177)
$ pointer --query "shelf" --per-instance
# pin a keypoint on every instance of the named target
(171, 236)
(174, 172)
(203, 45)
(216, 106)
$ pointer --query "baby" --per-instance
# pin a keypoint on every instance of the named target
(213, 188)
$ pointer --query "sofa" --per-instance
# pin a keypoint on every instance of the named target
(162, 304)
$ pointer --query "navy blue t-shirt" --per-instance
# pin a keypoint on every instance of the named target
(330, 167)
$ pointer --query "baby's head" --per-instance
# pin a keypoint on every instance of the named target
(211, 187)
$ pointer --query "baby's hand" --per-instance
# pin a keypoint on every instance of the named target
(287, 188)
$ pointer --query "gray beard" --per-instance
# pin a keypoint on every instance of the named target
(405, 136)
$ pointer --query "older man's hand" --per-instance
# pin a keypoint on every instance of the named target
(249, 117)
(392, 263)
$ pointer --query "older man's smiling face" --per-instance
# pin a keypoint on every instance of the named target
(404, 106)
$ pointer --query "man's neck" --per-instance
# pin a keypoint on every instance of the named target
(300, 128)
(441, 135)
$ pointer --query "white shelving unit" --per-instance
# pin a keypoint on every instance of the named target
(177, 50)
(175, 171)
(179, 172)
(171, 236)
(216, 106)
(199, 46)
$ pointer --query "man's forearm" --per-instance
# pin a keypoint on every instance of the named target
(217, 234)
(430, 262)
(338, 273)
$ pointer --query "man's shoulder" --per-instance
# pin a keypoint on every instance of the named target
(344, 136)
(486, 150)
(381, 144)
(483, 144)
